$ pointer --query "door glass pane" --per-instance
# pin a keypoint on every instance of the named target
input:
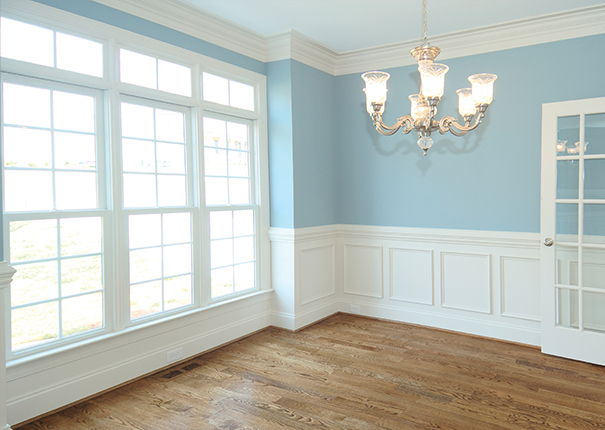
(595, 133)
(594, 268)
(594, 317)
(594, 179)
(567, 265)
(594, 223)
(567, 308)
(568, 174)
(567, 222)
(568, 134)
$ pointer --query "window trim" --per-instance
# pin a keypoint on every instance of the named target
(112, 38)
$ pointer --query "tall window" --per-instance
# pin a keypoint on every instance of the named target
(128, 188)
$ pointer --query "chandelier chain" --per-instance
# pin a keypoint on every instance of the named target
(425, 39)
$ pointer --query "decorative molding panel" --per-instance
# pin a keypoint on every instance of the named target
(466, 282)
(363, 270)
(411, 275)
(520, 288)
(317, 273)
(195, 22)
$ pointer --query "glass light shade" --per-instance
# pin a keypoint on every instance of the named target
(483, 87)
(420, 108)
(376, 89)
(466, 102)
(433, 79)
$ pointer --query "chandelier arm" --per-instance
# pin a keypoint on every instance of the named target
(449, 123)
(406, 122)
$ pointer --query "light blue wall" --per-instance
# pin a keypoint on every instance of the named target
(314, 131)
(281, 163)
(138, 25)
(487, 180)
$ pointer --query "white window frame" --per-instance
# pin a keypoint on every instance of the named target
(117, 315)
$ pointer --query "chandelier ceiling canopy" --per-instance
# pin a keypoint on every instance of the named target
(472, 102)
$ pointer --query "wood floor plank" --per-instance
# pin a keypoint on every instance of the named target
(353, 373)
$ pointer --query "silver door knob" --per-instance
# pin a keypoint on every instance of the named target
(548, 241)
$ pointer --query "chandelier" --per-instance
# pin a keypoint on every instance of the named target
(472, 102)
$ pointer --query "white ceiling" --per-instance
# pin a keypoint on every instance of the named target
(347, 25)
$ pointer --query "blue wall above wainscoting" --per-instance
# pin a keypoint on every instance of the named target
(486, 180)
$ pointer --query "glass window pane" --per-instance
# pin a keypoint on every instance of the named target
(34, 283)
(74, 112)
(238, 136)
(177, 260)
(139, 190)
(145, 299)
(137, 121)
(244, 277)
(138, 156)
(32, 240)
(215, 162)
(593, 269)
(75, 151)
(238, 164)
(176, 228)
(594, 224)
(82, 313)
(76, 190)
(81, 236)
(243, 223)
(172, 190)
(25, 147)
(221, 224)
(26, 42)
(170, 126)
(144, 230)
(567, 308)
(568, 176)
(594, 133)
(241, 95)
(34, 325)
(171, 157)
(567, 272)
(174, 78)
(239, 191)
(145, 264)
(215, 133)
(138, 69)
(79, 55)
(26, 106)
(243, 249)
(216, 191)
(594, 179)
(177, 292)
(567, 135)
(221, 282)
(215, 89)
(79, 275)
(594, 317)
(221, 253)
(567, 222)
(28, 191)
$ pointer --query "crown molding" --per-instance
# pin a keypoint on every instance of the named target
(297, 46)
(180, 16)
(195, 22)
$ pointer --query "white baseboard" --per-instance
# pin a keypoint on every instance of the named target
(303, 319)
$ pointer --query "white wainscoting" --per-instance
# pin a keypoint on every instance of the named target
(477, 282)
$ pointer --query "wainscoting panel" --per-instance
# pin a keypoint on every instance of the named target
(363, 270)
(317, 273)
(466, 282)
(411, 275)
(519, 296)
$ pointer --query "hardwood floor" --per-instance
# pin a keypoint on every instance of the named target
(354, 373)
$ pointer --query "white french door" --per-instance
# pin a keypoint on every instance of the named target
(573, 229)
